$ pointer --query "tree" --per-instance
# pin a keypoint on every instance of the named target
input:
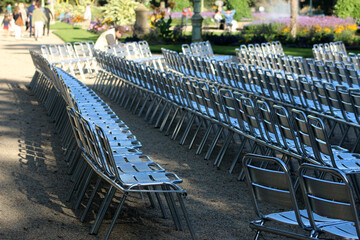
(242, 8)
(348, 8)
(293, 18)
(121, 12)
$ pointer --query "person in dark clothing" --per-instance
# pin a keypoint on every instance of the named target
(29, 13)
(49, 16)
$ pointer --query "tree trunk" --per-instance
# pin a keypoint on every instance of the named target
(294, 4)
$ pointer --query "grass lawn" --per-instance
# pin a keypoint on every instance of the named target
(70, 33)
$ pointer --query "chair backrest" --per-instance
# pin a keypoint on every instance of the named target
(286, 128)
(328, 193)
(267, 118)
(186, 49)
(321, 144)
(109, 162)
(269, 181)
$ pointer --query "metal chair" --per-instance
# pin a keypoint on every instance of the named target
(269, 181)
(329, 194)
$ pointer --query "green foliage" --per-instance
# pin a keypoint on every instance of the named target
(163, 28)
(263, 32)
(75, 10)
(242, 8)
(180, 4)
(348, 8)
(121, 12)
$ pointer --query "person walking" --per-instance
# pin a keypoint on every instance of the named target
(19, 23)
(6, 23)
(31, 8)
(23, 16)
(9, 9)
(186, 13)
(38, 20)
(49, 16)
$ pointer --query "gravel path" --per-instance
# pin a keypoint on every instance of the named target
(34, 182)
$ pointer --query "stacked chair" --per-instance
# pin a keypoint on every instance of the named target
(100, 146)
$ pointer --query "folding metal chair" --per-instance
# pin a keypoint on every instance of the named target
(269, 181)
(329, 194)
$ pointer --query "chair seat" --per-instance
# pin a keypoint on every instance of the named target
(130, 158)
(138, 167)
(289, 217)
(344, 230)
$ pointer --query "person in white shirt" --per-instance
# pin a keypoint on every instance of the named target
(110, 37)
(87, 15)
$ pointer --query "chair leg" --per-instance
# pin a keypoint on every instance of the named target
(102, 210)
(117, 213)
(186, 216)
(88, 205)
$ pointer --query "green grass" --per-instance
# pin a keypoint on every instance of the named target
(70, 33)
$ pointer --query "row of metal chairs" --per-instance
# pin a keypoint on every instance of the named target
(107, 148)
(337, 72)
(76, 59)
(338, 46)
(204, 50)
(125, 81)
(338, 57)
(264, 48)
(322, 97)
(136, 51)
(330, 208)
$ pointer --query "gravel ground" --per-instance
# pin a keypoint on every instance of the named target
(34, 182)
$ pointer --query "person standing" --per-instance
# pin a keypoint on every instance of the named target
(87, 14)
(9, 8)
(18, 22)
(23, 16)
(229, 16)
(29, 14)
(49, 16)
(38, 19)
(186, 13)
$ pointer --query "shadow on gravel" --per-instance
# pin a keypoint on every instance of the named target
(41, 174)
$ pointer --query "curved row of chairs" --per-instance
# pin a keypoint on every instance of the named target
(264, 48)
(204, 50)
(136, 51)
(76, 58)
(267, 128)
(336, 105)
(337, 72)
(99, 145)
(326, 52)
(272, 128)
(331, 46)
